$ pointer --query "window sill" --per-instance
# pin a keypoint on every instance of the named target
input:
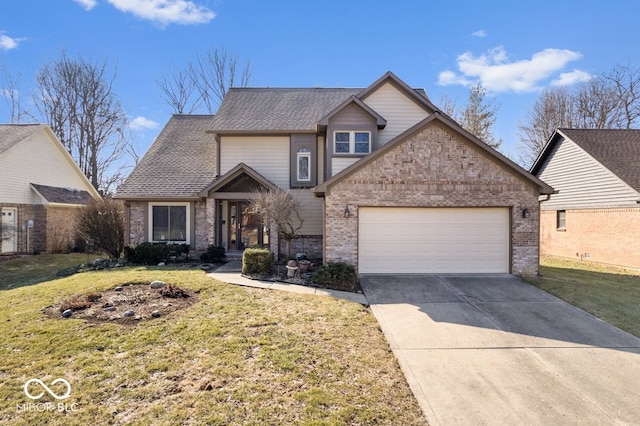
(561, 229)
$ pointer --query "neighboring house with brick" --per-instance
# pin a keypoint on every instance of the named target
(41, 187)
(595, 214)
(387, 181)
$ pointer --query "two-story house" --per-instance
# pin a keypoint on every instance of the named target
(387, 181)
(41, 188)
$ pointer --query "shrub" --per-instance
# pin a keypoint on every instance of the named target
(173, 292)
(213, 254)
(257, 261)
(101, 223)
(77, 303)
(337, 276)
(151, 253)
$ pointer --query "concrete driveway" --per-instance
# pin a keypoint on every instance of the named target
(493, 350)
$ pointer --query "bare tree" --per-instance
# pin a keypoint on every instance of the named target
(203, 84)
(10, 91)
(178, 90)
(553, 109)
(608, 101)
(217, 71)
(448, 105)
(479, 116)
(76, 98)
(280, 207)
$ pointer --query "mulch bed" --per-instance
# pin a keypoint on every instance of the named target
(138, 297)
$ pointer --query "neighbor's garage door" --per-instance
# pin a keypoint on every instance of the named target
(433, 240)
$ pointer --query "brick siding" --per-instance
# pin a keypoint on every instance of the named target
(135, 222)
(433, 168)
(38, 235)
(310, 245)
(600, 235)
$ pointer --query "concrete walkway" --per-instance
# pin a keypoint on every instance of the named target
(231, 273)
(493, 350)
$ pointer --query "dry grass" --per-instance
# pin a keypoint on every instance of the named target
(238, 356)
(30, 270)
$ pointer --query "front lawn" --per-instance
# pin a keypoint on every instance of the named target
(237, 356)
(608, 292)
(29, 270)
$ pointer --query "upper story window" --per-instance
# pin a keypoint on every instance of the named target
(351, 142)
(303, 164)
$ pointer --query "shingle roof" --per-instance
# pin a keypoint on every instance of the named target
(275, 109)
(617, 150)
(54, 194)
(179, 163)
(11, 134)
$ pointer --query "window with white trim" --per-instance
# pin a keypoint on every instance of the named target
(169, 222)
(351, 142)
(303, 164)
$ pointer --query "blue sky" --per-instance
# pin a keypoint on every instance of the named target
(515, 49)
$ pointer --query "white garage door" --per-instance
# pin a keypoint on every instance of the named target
(433, 240)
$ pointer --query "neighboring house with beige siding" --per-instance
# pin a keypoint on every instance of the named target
(441, 199)
(595, 214)
(41, 187)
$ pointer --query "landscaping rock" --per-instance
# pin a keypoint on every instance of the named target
(155, 314)
(67, 313)
(129, 314)
(157, 284)
(117, 288)
(162, 264)
(110, 309)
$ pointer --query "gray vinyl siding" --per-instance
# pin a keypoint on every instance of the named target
(311, 212)
(582, 181)
(352, 118)
(394, 106)
(267, 155)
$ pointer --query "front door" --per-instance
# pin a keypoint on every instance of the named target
(9, 230)
(244, 227)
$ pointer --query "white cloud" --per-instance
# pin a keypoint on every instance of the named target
(569, 78)
(449, 78)
(142, 123)
(479, 33)
(87, 4)
(8, 43)
(496, 73)
(165, 12)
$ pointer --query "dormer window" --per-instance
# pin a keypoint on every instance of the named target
(351, 142)
(304, 164)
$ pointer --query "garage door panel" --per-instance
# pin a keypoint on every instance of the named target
(427, 240)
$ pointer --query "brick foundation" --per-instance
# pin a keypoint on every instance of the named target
(600, 235)
(310, 245)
